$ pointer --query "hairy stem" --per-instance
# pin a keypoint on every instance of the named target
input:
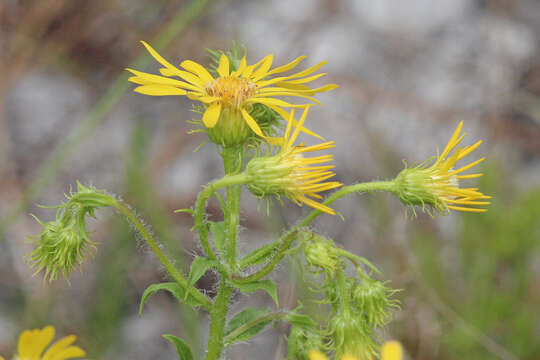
(232, 162)
(147, 236)
(287, 240)
(204, 196)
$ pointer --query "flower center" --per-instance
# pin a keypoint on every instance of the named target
(232, 91)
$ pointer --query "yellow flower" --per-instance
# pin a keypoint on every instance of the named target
(291, 174)
(32, 344)
(438, 185)
(232, 93)
(390, 350)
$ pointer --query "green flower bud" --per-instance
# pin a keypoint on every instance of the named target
(231, 128)
(64, 242)
(321, 254)
(62, 245)
(352, 336)
(373, 298)
(302, 340)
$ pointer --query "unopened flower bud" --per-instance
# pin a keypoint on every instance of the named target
(321, 254)
(373, 298)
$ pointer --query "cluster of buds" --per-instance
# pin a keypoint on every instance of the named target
(64, 242)
(322, 255)
(360, 305)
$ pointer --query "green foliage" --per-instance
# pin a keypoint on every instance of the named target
(182, 349)
(199, 267)
(256, 317)
(267, 285)
(176, 290)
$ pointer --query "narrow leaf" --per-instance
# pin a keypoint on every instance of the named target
(199, 267)
(300, 320)
(176, 290)
(267, 285)
(244, 317)
(182, 349)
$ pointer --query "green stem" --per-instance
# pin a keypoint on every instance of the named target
(232, 162)
(176, 275)
(344, 191)
(288, 239)
(275, 260)
(218, 315)
(204, 196)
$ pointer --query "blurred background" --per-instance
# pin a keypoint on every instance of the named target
(408, 72)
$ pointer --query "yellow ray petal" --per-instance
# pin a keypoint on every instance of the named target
(285, 115)
(198, 70)
(241, 68)
(288, 66)
(32, 343)
(223, 68)
(211, 115)
(158, 57)
(69, 353)
(252, 123)
(159, 90)
(262, 71)
(391, 350)
(59, 347)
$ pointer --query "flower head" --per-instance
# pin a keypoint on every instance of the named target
(436, 183)
(33, 343)
(391, 350)
(289, 173)
(229, 97)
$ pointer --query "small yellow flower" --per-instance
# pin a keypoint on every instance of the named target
(291, 174)
(390, 350)
(33, 343)
(232, 93)
(438, 185)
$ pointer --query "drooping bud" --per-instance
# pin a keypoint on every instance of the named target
(64, 243)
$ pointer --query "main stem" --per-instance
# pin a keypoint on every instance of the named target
(232, 162)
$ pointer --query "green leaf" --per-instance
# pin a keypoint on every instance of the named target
(244, 317)
(267, 285)
(300, 320)
(176, 290)
(182, 349)
(199, 267)
(218, 232)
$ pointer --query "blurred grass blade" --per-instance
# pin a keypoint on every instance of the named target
(97, 115)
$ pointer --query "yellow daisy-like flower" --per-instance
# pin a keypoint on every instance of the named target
(232, 93)
(390, 350)
(291, 174)
(33, 343)
(438, 185)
